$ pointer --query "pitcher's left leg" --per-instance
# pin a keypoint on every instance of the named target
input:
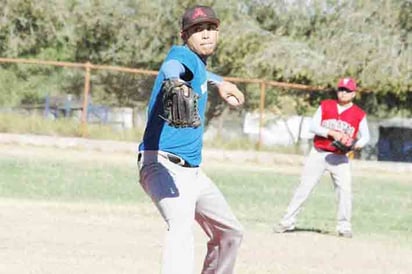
(220, 224)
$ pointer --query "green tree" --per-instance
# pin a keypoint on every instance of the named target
(306, 42)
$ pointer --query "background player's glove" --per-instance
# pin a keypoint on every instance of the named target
(345, 145)
(180, 104)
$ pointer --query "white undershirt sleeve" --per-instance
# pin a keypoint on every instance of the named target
(363, 134)
(316, 126)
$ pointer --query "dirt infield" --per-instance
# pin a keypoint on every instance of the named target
(50, 238)
(39, 237)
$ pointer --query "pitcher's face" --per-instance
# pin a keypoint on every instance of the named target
(202, 38)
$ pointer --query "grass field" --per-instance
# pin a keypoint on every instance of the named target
(258, 195)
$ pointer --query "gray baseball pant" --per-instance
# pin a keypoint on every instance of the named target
(316, 164)
(182, 195)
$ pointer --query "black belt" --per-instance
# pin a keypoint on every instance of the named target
(172, 158)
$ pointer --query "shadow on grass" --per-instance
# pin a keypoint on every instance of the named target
(311, 229)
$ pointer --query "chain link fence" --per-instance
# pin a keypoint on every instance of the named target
(276, 115)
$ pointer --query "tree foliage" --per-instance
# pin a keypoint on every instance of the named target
(299, 41)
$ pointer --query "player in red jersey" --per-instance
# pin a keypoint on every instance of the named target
(335, 120)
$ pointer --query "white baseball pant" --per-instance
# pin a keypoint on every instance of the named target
(182, 195)
(317, 162)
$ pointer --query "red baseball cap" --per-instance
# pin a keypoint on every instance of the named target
(347, 83)
(197, 15)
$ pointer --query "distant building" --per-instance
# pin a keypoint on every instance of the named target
(395, 140)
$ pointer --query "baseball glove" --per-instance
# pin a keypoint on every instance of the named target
(180, 108)
(345, 145)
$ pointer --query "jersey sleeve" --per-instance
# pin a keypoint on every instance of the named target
(214, 78)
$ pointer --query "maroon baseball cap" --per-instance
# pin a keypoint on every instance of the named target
(347, 83)
(197, 15)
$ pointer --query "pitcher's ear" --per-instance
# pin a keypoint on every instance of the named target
(183, 35)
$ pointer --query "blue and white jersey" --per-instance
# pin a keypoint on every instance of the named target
(184, 142)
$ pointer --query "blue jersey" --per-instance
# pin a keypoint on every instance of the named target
(184, 142)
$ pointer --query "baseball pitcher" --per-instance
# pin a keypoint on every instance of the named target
(170, 154)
